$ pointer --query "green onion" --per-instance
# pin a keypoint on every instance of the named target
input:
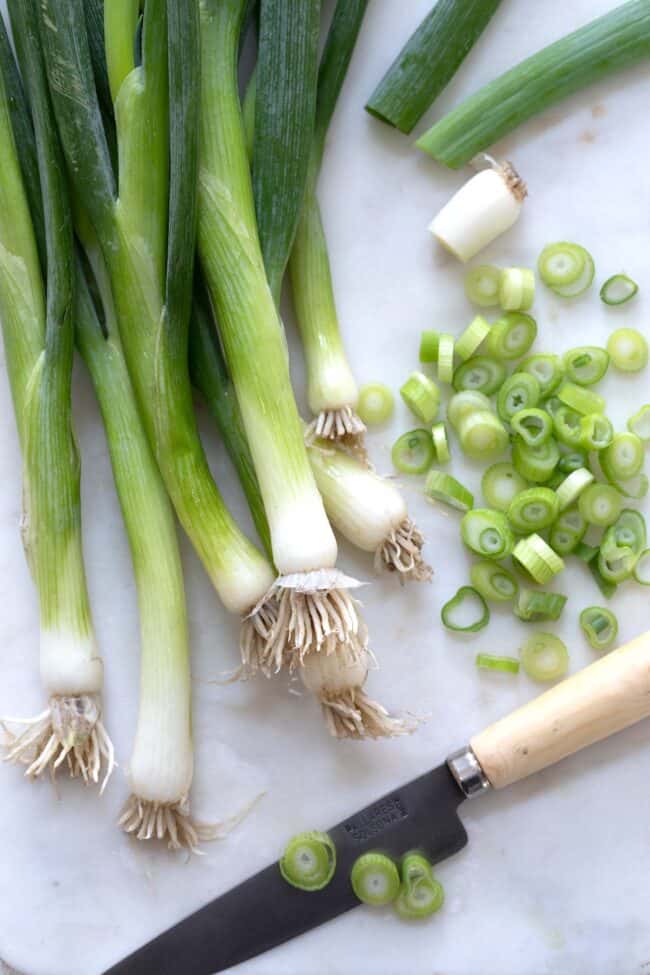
(520, 391)
(482, 285)
(505, 665)
(375, 879)
(600, 626)
(413, 452)
(630, 529)
(634, 487)
(309, 861)
(487, 532)
(481, 373)
(567, 532)
(596, 431)
(422, 396)
(375, 404)
(628, 350)
(517, 290)
(532, 605)
(446, 358)
(544, 657)
(539, 559)
(500, 484)
(618, 289)
(479, 612)
(572, 487)
(623, 458)
(461, 405)
(533, 509)
(642, 568)
(420, 895)
(639, 424)
(586, 553)
(586, 365)
(600, 504)
(536, 464)
(471, 338)
(429, 346)
(443, 487)
(493, 582)
(606, 586)
(511, 336)
(567, 425)
(440, 443)
(429, 60)
(577, 287)
(561, 264)
(608, 44)
(621, 546)
(482, 435)
(548, 370)
(580, 399)
(533, 426)
(571, 461)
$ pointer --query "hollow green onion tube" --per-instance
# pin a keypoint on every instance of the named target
(493, 582)
(521, 391)
(440, 443)
(600, 504)
(482, 374)
(544, 657)
(446, 358)
(623, 458)
(511, 336)
(581, 400)
(582, 281)
(309, 861)
(487, 533)
(375, 404)
(569, 491)
(471, 338)
(445, 488)
(536, 464)
(596, 431)
(500, 484)
(567, 426)
(422, 397)
(37, 319)
(375, 879)
(533, 606)
(534, 427)
(504, 665)
(568, 531)
(628, 350)
(533, 509)
(420, 894)
(618, 289)
(516, 289)
(429, 345)
(639, 424)
(413, 452)
(616, 563)
(610, 43)
(600, 626)
(538, 558)
(482, 435)
(586, 553)
(586, 365)
(548, 370)
(482, 285)
(454, 613)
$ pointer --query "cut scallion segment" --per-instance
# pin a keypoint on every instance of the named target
(600, 626)
(309, 861)
(548, 370)
(572, 461)
(533, 509)
(618, 289)
(520, 391)
(463, 404)
(454, 614)
(567, 532)
(440, 443)
(567, 425)
(616, 563)
(480, 373)
(471, 338)
(586, 365)
(600, 504)
(482, 436)
(487, 533)
(511, 336)
(375, 404)
(533, 426)
(445, 357)
(493, 582)
(517, 290)
(538, 558)
(628, 350)
(536, 464)
(422, 397)
(586, 553)
(421, 895)
(413, 452)
(482, 285)
(533, 606)
(544, 657)
(561, 264)
(445, 488)
(596, 431)
(429, 346)
(623, 458)
(642, 568)
(581, 284)
(639, 424)
(572, 487)
(580, 399)
(375, 879)
(504, 665)
(606, 586)
(500, 484)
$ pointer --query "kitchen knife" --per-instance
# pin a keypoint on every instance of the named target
(265, 911)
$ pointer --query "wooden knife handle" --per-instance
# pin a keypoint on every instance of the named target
(605, 697)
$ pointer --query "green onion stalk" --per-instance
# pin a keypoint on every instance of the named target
(38, 330)
(143, 229)
(319, 631)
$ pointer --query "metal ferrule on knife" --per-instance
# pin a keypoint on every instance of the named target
(466, 770)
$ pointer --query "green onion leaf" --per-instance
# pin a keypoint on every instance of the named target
(456, 608)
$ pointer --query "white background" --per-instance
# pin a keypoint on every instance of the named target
(555, 877)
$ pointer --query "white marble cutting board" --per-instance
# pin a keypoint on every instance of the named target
(555, 877)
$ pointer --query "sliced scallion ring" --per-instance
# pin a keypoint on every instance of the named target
(422, 396)
(375, 879)
(482, 285)
(480, 373)
(309, 861)
(533, 606)
(454, 614)
(534, 426)
(536, 464)
(600, 504)
(413, 452)
(580, 284)
(567, 532)
(505, 665)
(572, 461)
(440, 443)
(533, 509)
(623, 458)
(544, 657)
(516, 289)
(376, 404)
(499, 485)
(618, 289)
(443, 487)
(628, 350)
(630, 529)
(420, 895)
(446, 358)
(567, 426)
(472, 337)
(487, 533)
(616, 563)
(482, 435)
(493, 582)
(511, 336)
(606, 586)
(600, 626)
(586, 553)
(639, 424)
(462, 404)
(642, 568)
(429, 346)
(580, 399)
(586, 365)
(596, 431)
(561, 264)
(572, 487)
(538, 558)
(548, 370)
(521, 391)
(552, 404)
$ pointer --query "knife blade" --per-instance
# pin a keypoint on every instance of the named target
(265, 911)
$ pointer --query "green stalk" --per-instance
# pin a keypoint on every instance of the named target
(608, 44)
(429, 60)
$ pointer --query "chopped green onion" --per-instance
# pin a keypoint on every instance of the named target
(421, 895)
(581, 283)
(479, 612)
(567, 425)
(567, 532)
(586, 365)
(548, 370)
(375, 879)
(618, 289)
(487, 532)
(634, 487)
(520, 391)
(309, 861)
(641, 569)
(440, 443)
(623, 458)
(445, 358)
(630, 529)
(517, 290)
(606, 586)
(586, 553)
(534, 426)
(480, 373)
(554, 480)
(580, 399)
(596, 431)
(572, 461)
(482, 435)
(472, 337)
(511, 336)
(600, 504)
(463, 404)
(429, 346)
(600, 626)
(544, 657)
(533, 509)
(443, 487)
(639, 424)
(572, 487)
(422, 396)
(482, 285)
(375, 404)
(500, 484)
(413, 452)
(533, 606)
(616, 563)
(538, 558)
(561, 264)
(628, 350)
(536, 464)
(505, 665)
(493, 582)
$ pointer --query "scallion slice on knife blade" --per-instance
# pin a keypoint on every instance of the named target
(375, 879)
(309, 861)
